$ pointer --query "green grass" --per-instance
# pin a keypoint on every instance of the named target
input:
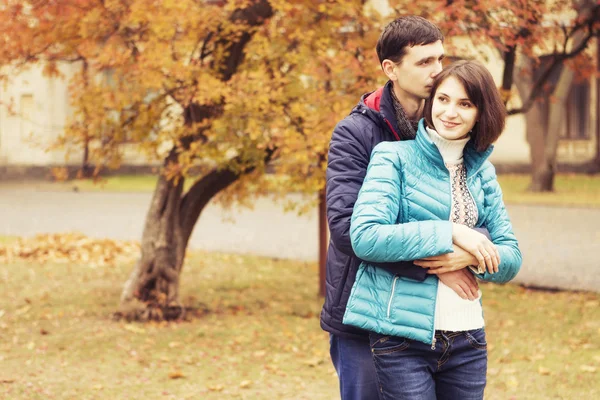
(7, 239)
(119, 183)
(260, 338)
(570, 189)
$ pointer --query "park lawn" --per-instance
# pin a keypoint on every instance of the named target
(258, 339)
(570, 189)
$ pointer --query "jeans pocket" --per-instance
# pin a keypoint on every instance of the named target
(385, 344)
(476, 339)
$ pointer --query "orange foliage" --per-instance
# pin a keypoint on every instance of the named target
(305, 67)
(147, 61)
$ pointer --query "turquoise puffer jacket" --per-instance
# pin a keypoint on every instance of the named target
(403, 213)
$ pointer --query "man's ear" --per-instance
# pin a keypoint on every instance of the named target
(388, 69)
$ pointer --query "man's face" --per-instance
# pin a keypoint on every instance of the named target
(414, 75)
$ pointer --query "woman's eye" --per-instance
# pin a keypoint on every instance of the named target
(466, 105)
(442, 99)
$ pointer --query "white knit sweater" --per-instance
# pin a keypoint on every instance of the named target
(453, 313)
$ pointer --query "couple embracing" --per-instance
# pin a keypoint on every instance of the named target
(416, 219)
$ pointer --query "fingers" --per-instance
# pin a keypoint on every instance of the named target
(461, 292)
(435, 258)
(492, 258)
(466, 290)
(480, 258)
(489, 262)
(472, 285)
(441, 270)
(444, 269)
(438, 271)
(428, 264)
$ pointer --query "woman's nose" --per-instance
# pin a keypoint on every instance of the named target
(451, 111)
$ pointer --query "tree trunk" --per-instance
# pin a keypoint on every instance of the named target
(543, 129)
(543, 174)
(597, 158)
(323, 241)
(152, 290)
(536, 122)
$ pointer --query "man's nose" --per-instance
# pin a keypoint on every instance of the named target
(437, 70)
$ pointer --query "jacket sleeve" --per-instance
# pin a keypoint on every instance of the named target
(374, 232)
(348, 159)
(346, 168)
(500, 229)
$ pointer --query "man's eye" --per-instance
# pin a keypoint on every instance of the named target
(425, 62)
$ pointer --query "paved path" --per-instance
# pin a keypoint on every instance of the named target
(560, 245)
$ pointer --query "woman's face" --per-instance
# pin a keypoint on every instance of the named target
(452, 113)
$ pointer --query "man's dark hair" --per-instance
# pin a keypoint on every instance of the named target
(403, 32)
(484, 95)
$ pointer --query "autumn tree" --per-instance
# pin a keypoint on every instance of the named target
(537, 40)
(219, 91)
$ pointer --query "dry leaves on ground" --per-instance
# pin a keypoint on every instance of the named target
(70, 248)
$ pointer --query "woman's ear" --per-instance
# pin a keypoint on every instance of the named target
(388, 67)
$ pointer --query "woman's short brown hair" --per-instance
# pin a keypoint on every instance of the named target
(484, 95)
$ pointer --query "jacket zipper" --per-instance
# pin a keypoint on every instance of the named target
(391, 296)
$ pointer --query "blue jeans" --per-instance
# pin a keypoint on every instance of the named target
(408, 369)
(353, 363)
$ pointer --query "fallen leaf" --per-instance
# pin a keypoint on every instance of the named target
(176, 375)
(216, 388)
(588, 368)
(245, 384)
(134, 328)
(544, 371)
(313, 362)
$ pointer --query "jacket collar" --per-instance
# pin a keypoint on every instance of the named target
(379, 106)
(473, 159)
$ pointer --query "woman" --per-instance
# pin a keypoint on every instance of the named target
(420, 198)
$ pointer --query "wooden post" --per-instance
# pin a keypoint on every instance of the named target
(323, 241)
(597, 158)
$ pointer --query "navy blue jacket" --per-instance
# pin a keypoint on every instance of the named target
(372, 121)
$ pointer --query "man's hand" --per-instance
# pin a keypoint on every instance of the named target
(449, 262)
(462, 282)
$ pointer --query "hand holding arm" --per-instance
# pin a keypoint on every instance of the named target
(462, 282)
(478, 245)
(458, 259)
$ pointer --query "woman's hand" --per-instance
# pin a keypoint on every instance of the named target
(462, 282)
(458, 259)
(478, 245)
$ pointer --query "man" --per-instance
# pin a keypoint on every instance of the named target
(410, 50)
